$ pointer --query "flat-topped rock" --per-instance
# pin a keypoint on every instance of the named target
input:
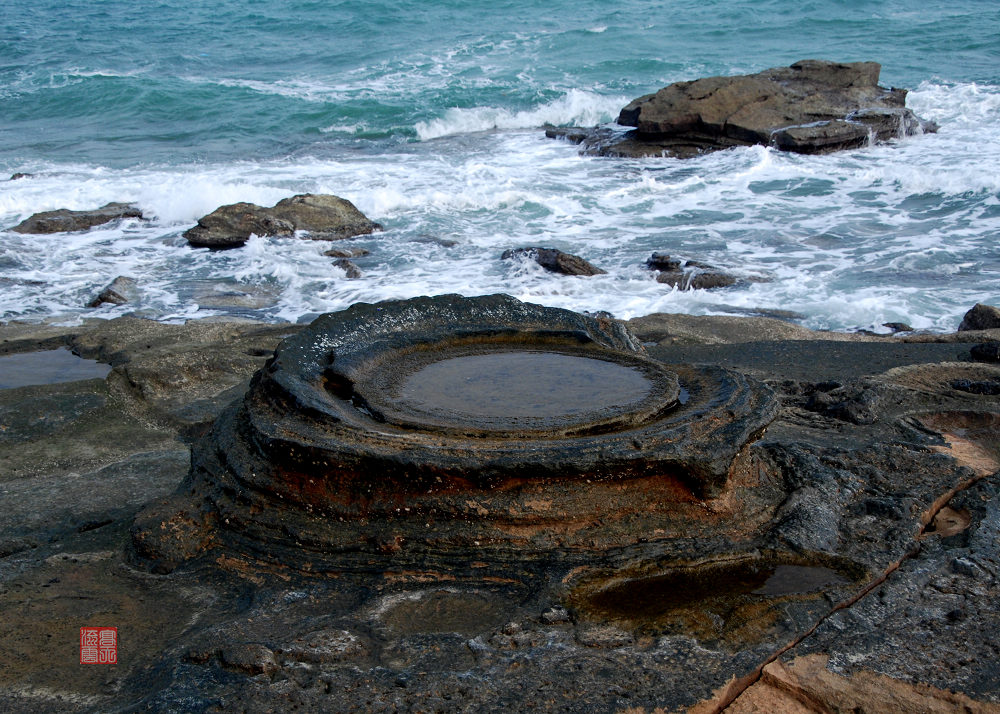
(64, 220)
(810, 107)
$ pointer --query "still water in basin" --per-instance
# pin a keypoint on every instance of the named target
(523, 384)
(48, 367)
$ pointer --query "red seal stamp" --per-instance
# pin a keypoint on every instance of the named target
(98, 645)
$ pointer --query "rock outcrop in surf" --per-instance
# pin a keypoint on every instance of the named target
(810, 107)
(320, 216)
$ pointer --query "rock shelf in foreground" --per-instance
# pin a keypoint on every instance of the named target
(869, 547)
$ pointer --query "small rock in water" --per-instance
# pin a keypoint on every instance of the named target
(346, 252)
(350, 269)
(662, 261)
(555, 261)
(693, 275)
(19, 175)
(63, 220)
(897, 326)
(119, 291)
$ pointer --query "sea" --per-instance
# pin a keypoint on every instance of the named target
(429, 117)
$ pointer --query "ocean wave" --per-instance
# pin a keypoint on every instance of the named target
(575, 107)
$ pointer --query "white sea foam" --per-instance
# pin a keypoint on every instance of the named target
(902, 232)
(576, 107)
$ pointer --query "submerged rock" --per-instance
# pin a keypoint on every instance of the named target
(351, 270)
(346, 252)
(63, 220)
(691, 275)
(555, 261)
(810, 107)
(119, 291)
(322, 217)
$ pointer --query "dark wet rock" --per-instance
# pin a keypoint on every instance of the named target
(696, 279)
(972, 386)
(249, 657)
(325, 646)
(981, 317)
(572, 134)
(20, 175)
(813, 106)
(64, 220)
(662, 261)
(897, 327)
(120, 291)
(554, 260)
(321, 217)
(555, 615)
(986, 352)
(346, 252)
(658, 598)
(351, 271)
(692, 275)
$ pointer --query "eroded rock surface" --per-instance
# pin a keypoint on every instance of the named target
(844, 565)
(981, 317)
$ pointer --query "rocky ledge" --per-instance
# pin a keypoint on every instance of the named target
(850, 558)
(810, 107)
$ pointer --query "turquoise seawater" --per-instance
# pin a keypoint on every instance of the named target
(427, 116)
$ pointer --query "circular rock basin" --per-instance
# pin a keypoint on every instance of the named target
(508, 391)
(454, 433)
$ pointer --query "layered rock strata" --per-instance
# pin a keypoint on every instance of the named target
(446, 431)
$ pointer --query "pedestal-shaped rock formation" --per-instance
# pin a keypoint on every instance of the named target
(462, 434)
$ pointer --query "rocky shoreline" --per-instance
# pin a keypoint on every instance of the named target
(882, 465)
(784, 520)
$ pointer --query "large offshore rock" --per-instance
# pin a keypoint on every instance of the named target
(63, 220)
(811, 107)
(322, 217)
